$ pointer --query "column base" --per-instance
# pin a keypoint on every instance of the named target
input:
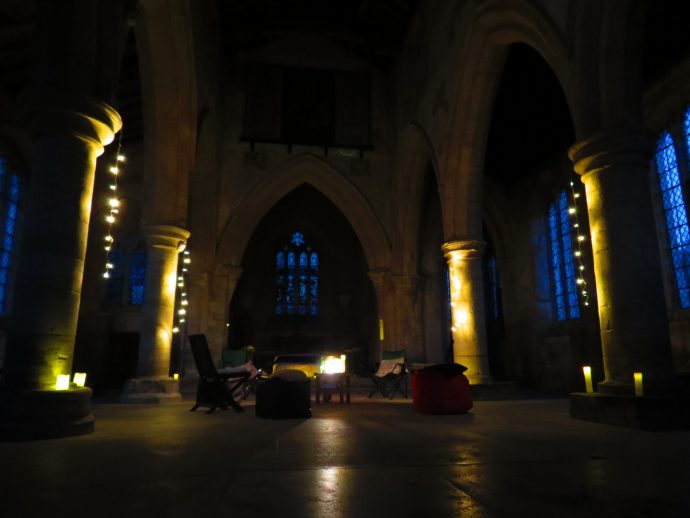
(644, 412)
(151, 390)
(45, 414)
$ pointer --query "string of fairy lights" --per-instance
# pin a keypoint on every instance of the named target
(113, 206)
(580, 238)
(182, 305)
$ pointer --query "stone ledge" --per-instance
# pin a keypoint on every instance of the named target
(643, 412)
(45, 414)
(151, 390)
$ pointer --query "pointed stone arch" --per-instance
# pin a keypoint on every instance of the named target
(494, 28)
(416, 155)
(305, 169)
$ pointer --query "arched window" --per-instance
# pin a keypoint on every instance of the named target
(563, 279)
(9, 212)
(675, 213)
(297, 278)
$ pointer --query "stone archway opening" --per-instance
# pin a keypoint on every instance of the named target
(330, 308)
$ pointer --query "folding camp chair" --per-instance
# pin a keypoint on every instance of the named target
(391, 377)
(215, 390)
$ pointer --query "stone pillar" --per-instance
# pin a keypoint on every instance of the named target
(68, 134)
(467, 308)
(382, 286)
(632, 310)
(219, 313)
(153, 383)
(409, 321)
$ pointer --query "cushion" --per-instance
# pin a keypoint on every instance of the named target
(391, 366)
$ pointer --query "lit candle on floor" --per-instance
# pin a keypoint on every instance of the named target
(587, 371)
(638, 383)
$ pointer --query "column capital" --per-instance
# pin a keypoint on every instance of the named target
(166, 235)
(379, 276)
(462, 248)
(619, 147)
(58, 112)
(406, 282)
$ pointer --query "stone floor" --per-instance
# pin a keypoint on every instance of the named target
(372, 458)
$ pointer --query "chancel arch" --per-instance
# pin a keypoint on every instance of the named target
(305, 169)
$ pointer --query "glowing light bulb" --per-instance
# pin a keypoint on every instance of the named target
(175, 329)
(113, 187)
(187, 260)
(184, 302)
(578, 253)
(571, 210)
(114, 202)
(576, 195)
(106, 275)
(580, 237)
(579, 281)
(110, 218)
(121, 158)
(182, 311)
(108, 238)
(114, 170)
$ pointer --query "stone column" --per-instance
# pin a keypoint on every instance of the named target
(382, 286)
(221, 291)
(409, 321)
(632, 310)
(68, 134)
(153, 383)
(467, 308)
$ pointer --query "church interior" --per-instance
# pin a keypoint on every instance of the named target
(501, 184)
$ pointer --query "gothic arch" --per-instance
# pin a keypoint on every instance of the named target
(494, 28)
(415, 156)
(320, 175)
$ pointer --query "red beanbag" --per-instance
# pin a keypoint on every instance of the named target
(438, 390)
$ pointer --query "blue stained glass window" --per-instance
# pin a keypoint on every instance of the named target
(675, 213)
(564, 282)
(9, 211)
(297, 239)
(137, 277)
(297, 286)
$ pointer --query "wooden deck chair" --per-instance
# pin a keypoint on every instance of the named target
(215, 390)
(391, 377)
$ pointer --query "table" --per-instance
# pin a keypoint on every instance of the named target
(328, 384)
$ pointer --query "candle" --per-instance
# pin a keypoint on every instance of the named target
(381, 329)
(79, 379)
(638, 383)
(62, 382)
(176, 376)
(587, 371)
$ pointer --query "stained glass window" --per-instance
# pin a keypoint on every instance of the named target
(564, 284)
(137, 277)
(297, 279)
(9, 211)
(675, 214)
